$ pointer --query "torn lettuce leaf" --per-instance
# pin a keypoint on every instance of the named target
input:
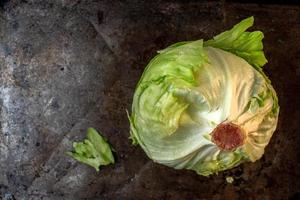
(247, 45)
(93, 151)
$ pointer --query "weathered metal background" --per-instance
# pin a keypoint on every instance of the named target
(68, 64)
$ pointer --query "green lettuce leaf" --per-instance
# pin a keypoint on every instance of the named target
(154, 99)
(93, 151)
(238, 41)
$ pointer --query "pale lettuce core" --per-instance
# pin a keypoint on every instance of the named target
(189, 88)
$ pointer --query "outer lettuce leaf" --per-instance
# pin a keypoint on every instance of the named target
(247, 45)
(154, 102)
(93, 151)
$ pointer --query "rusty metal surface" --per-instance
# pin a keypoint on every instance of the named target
(68, 65)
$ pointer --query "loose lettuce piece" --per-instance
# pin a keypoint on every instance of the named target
(247, 45)
(93, 151)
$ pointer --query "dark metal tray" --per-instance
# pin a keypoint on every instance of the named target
(67, 65)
